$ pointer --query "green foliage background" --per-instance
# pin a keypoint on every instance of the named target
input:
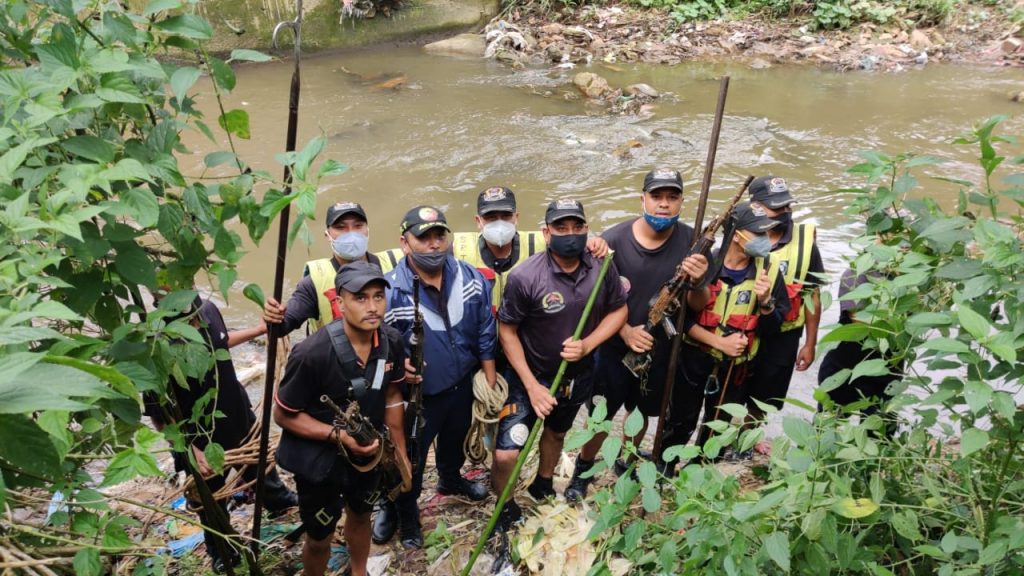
(95, 213)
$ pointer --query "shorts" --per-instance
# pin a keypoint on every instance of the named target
(320, 503)
(517, 417)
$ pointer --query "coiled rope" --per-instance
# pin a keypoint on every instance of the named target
(487, 405)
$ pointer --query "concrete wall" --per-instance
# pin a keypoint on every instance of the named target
(249, 23)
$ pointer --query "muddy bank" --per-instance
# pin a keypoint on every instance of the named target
(618, 34)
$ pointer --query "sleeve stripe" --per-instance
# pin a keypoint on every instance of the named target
(279, 402)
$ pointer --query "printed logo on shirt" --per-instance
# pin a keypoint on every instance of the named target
(553, 302)
(626, 285)
(784, 267)
(743, 297)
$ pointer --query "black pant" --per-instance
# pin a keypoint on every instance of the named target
(696, 393)
(447, 416)
(773, 368)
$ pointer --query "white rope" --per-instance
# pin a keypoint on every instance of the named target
(487, 405)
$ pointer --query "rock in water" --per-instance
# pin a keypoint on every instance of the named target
(591, 85)
(472, 45)
(644, 89)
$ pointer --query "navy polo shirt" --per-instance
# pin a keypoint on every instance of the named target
(546, 303)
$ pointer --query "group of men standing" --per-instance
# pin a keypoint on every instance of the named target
(504, 301)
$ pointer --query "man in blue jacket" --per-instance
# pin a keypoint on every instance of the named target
(460, 336)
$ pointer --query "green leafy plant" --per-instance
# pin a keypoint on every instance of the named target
(95, 212)
(930, 485)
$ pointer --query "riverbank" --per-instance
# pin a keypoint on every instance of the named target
(621, 33)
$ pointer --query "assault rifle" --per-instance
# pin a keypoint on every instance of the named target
(415, 406)
(667, 301)
(395, 476)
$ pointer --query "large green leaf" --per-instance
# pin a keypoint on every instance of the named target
(28, 447)
(187, 25)
(777, 546)
(249, 55)
(133, 264)
(222, 74)
(183, 79)
(23, 393)
(855, 507)
(155, 6)
(634, 423)
(973, 322)
(90, 148)
(235, 122)
(87, 562)
(972, 440)
(143, 206)
(22, 334)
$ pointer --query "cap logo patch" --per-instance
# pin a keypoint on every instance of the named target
(566, 205)
(553, 302)
(428, 214)
(494, 194)
(777, 185)
(346, 206)
(665, 174)
(758, 211)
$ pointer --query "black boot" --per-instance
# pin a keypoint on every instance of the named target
(459, 486)
(385, 523)
(541, 488)
(411, 532)
(577, 488)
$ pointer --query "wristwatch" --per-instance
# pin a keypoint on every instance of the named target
(769, 304)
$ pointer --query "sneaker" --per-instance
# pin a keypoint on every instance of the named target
(475, 491)
(541, 489)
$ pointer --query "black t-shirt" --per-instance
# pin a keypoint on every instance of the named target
(313, 369)
(643, 272)
(231, 400)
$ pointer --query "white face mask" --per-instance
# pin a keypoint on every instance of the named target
(499, 232)
(350, 245)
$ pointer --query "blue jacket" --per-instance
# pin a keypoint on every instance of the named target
(459, 335)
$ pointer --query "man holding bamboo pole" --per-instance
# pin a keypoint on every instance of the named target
(543, 301)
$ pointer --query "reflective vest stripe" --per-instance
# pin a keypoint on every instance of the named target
(322, 273)
(389, 259)
(797, 252)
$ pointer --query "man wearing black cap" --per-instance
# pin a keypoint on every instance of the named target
(459, 339)
(745, 304)
(795, 254)
(542, 304)
(314, 298)
(354, 359)
(647, 249)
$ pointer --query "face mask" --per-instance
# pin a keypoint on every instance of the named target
(568, 246)
(660, 223)
(785, 218)
(429, 262)
(499, 232)
(758, 247)
(350, 245)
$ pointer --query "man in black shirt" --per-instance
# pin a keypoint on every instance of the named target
(354, 359)
(314, 298)
(647, 251)
(540, 309)
(226, 420)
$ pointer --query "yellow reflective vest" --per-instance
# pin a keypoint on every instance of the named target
(322, 273)
(793, 261)
(466, 247)
(731, 309)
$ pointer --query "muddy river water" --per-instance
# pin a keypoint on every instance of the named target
(453, 127)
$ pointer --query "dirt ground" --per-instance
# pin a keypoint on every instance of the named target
(973, 33)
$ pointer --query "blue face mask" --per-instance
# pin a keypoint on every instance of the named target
(758, 246)
(350, 245)
(660, 223)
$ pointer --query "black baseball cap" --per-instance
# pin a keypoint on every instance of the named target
(495, 199)
(663, 178)
(771, 191)
(335, 212)
(752, 218)
(564, 209)
(354, 276)
(423, 218)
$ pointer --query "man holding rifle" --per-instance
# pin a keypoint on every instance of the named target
(356, 360)
(746, 302)
(459, 339)
(543, 301)
(649, 250)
